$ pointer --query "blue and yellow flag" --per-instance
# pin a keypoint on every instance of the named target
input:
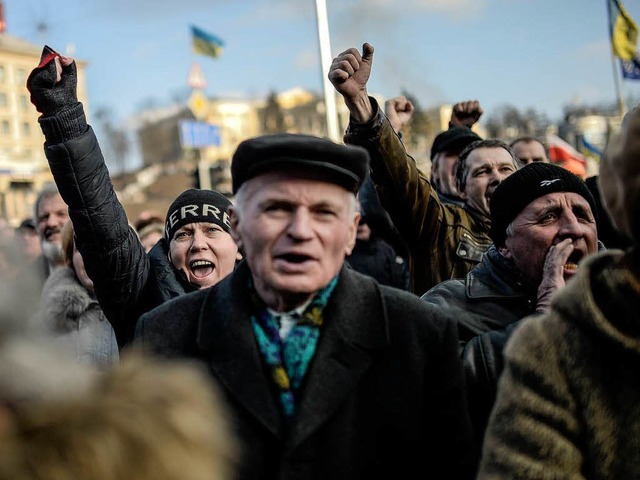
(588, 149)
(624, 39)
(205, 43)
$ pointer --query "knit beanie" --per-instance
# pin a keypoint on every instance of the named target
(525, 185)
(195, 205)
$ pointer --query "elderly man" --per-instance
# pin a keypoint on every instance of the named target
(197, 249)
(329, 374)
(543, 226)
(444, 240)
(568, 402)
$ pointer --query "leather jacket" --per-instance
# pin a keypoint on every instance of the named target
(490, 297)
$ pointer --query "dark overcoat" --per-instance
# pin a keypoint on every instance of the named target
(383, 396)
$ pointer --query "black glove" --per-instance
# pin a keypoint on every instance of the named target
(48, 96)
(62, 116)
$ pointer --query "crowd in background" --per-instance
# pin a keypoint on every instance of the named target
(343, 315)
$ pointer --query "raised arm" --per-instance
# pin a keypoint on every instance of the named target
(114, 258)
(399, 111)
(349, 74)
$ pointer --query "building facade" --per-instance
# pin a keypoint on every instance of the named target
(23, 166)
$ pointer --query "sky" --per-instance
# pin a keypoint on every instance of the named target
(541, 54)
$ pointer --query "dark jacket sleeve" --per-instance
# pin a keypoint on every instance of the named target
(404, 192)
(113, 256)
(483, 362)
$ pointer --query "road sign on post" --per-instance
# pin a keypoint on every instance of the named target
(198, 134)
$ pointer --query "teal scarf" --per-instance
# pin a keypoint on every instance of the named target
(289, 358)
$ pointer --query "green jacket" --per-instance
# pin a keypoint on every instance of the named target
(444, 241)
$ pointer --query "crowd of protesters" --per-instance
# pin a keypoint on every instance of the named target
(342, 315)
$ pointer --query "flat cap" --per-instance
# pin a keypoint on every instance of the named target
(455, 139)
(344, 165)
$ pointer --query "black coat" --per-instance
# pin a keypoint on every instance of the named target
(383, 396)
(377, 258)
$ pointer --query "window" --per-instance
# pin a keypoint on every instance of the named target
(4, 127)
(2, 74)
(24, 102)
(4, 102)
(21, 75)
(26, 129)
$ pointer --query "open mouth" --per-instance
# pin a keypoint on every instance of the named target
(293, 257)
(201, 268)
(51, 235)
(573, 261)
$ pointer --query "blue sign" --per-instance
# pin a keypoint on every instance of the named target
(198, 134)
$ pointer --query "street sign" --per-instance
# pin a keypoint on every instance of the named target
(198, 104)
(198, 134)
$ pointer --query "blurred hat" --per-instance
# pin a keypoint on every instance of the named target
(27, 224)
(344, 165)
(195, 205)
(525, 185)
(455, 139)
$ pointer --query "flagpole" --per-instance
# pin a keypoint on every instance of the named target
(331, 111)
(617, 81)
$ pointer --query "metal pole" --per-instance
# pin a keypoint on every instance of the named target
(616, 78)
(331, 111)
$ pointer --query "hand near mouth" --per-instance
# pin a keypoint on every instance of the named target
(553, 274)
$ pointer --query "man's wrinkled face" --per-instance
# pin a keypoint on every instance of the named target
(295, 233)
(204, 251)
(487, 168)
(530, 152)
(443, 173)
(545, 222)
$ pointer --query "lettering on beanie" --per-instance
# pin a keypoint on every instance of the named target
(194, 213)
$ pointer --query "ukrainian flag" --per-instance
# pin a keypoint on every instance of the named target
(205, 43)
(589, 150)
(624, 39)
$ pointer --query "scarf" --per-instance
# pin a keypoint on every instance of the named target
(289, 358)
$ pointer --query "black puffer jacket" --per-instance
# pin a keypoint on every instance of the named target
(127, 281)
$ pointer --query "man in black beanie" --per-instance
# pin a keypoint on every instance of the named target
(543, 225)
(197, 250)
